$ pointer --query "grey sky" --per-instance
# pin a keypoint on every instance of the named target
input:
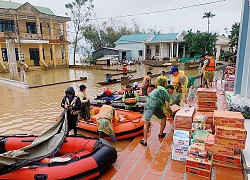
(226, 12)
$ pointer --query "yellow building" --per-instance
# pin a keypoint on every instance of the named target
(43, 35)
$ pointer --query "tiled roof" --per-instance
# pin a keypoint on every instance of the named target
(164, 37)
(133, 38)
(14, 5)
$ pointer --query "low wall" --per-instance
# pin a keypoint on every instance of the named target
(14, 83)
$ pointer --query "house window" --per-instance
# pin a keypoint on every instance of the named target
(7, 25)
(4, 54)
(157, 49)
(140, 53)
(17, 54)
(63, 52)
(31, 27)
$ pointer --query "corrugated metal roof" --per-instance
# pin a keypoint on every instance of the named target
(164, 37)
(133, 38)
(14, 5)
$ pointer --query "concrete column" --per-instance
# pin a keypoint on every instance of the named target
(177, 50)
(161, 51)
(242, 47)
(51, 29)
(144, 52)
(54, 54)
(172, 51)
(1, 55)
(65, 31)
(66, 50)
(38, 28)
(41, 52)
(246, 71)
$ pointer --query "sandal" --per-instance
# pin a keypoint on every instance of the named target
(162, 135)
(143, 143)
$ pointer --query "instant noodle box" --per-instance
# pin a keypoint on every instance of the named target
(199, 172)
(231, 132)
(229, 119)
(199, 163)
(230, 142)
(236, 159)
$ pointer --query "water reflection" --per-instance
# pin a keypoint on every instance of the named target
(34, 110)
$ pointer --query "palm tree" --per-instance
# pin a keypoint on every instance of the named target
(208, 15)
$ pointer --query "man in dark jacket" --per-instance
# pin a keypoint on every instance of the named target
(73, 104)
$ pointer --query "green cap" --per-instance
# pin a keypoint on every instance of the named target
(170, 86)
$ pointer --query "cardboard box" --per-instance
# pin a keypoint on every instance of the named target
(206, 108)
(228, 165)
(210, 91)
(231, 132)
(205, 98)
(236, 159)
(185, 112)
(207, 103)
(181, 137)
(230, 142)
(184, 118)
(198, 172)
(179, 150)
(199, 163)
(229, 119)
(183, 125)
(197, 150)
(178, 158)
(215, 148)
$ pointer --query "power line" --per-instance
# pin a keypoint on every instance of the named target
(160, 11)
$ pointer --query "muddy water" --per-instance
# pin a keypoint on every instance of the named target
(34, 110)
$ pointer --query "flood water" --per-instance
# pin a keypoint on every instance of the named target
(33, 111)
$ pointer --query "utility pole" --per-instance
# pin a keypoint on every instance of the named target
(20, 53)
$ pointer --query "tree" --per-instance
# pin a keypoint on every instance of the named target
(198, 43)
(80, 12)
(234, 36)
(107, 33)
(208, 15)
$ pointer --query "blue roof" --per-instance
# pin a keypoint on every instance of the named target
(164, 37)
(133, 38)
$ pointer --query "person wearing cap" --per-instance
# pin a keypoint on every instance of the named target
(105, 119)
(146, 82)
(179, 81)
(161, 80)
(208, 69)
(85, 104)
(72, 104)
(158, 104)
(130, 97)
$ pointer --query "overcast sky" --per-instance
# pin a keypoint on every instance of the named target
(226, 12)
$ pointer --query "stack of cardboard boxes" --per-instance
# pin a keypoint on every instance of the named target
(182, 131)
(230, 137)
(181, 141)
(229, 83)
(198, 161)
(207, 99)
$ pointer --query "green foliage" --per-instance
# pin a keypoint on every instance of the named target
(80, 11)
(198, 43)
(107, 34)
(92, 58)
(234, 36)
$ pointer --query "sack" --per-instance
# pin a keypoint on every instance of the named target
(130, 101)
(74, 112)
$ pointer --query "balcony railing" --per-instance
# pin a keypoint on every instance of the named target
(29, 36)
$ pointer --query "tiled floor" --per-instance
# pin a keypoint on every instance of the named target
(154, 161)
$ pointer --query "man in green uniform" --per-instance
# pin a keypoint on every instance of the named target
(130, 94)
(158, 104)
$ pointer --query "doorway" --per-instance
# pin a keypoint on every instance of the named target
(34, 55)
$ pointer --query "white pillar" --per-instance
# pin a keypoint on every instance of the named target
(177, 50)
(172, 51)
(161, 51)
(144, 52)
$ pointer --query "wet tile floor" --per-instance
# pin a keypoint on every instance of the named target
(154, 161)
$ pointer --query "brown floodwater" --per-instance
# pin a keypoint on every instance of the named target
(34, 110)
